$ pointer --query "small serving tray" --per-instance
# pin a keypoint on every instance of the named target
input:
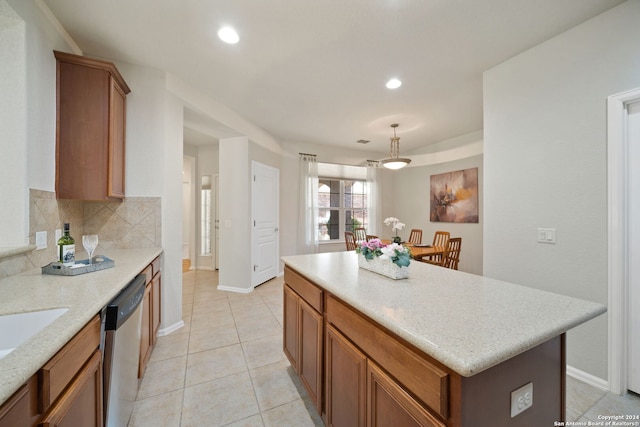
(100, 262)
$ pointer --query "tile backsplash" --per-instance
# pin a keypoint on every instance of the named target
(133, 223)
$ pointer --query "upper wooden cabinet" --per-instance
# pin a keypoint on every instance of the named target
(90, 129)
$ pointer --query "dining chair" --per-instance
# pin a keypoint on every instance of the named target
(371, 237)
(360, 233)
(440, 238)
(415, 236)
(350, 240)
(451, 256)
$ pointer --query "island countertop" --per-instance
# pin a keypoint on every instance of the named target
(83, 295)
(467, 322)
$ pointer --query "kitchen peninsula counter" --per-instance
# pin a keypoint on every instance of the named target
(83, 295)
(464, 324)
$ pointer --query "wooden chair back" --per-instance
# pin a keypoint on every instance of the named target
(350, 240)
(415, 236)
(440, 238)
(451, 256)
(371, 237)
(360, 233)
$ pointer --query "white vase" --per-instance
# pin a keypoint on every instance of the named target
(384, 267)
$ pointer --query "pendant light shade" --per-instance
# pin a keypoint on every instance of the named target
(395, 161)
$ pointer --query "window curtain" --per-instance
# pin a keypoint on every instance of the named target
(308, 206)
(373, 196)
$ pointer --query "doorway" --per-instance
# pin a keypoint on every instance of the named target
(623, 138)
(633, 191)
(265, 218)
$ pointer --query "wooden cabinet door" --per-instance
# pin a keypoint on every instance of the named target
(145, 336)
(290, 329)
(389, 405)
(156, 299)
(81, 402)
(346, 378)
(310, 351)
(21, 410)
(117, 117)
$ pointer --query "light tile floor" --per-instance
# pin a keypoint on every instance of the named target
(226, 367)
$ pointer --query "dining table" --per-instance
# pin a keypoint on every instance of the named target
(419, 250)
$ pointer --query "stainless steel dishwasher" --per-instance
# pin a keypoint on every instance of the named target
(122, 319)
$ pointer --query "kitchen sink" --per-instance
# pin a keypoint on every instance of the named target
(19, 327)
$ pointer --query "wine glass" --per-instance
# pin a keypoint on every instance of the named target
(90, 243)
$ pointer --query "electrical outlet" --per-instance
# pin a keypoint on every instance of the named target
(521, 399)
(41, 240)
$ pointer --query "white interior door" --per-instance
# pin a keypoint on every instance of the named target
(633, 326)
(265, 232)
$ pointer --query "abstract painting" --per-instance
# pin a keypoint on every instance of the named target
(454, 196)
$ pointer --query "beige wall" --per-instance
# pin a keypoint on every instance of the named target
(133, 223)
(546, 165)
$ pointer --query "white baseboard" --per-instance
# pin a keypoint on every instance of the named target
(588, 378)
(234, 289)
(166, 331)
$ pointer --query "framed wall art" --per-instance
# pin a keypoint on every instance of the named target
(454, 196)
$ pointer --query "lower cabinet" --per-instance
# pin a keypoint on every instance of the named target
(389, 405)
(21, 410)
(346, 378)
(151, 313)
(71, 382)
(66, 391)
(357, 373)
(81, 403)
(303, 333)
(303, 343)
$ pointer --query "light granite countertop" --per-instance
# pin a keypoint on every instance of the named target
(84, 295)
(467, 322)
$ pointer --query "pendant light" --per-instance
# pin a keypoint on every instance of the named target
(395, 162)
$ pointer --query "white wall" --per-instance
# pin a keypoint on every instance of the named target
(169, 173)
(545, 165)
(235, 215)
(28, 110)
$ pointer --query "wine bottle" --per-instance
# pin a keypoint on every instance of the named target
(67, 247)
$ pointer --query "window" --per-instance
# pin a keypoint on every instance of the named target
(342, 206)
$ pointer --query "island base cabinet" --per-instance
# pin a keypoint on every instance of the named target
(303, 343)
(310, 363)
(389, 405)
(290, 338)
(346, 376)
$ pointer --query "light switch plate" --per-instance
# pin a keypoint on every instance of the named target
(58, 234)
(547, 235)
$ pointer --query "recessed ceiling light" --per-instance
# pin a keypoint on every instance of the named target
(228, 35)
(394, 84)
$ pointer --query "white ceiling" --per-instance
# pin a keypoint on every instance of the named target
(314, 71)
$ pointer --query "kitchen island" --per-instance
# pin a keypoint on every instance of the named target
(442, 348)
